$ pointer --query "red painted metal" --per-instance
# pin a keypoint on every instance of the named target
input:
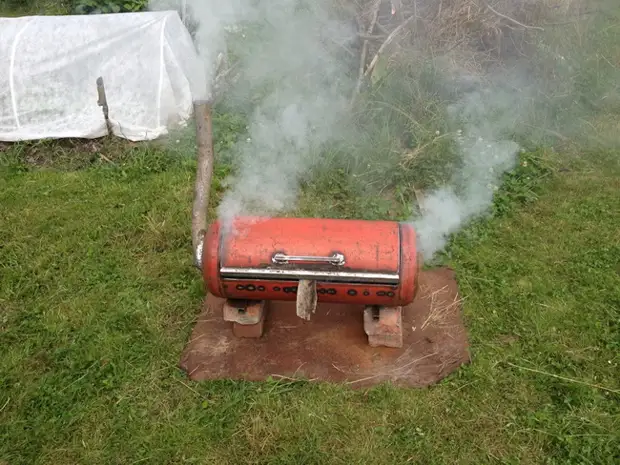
(370, 248)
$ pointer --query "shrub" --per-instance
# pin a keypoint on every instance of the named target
(83, 7)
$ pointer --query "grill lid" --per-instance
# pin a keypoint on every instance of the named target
(311, 248)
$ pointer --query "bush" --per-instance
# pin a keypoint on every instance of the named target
(85, 7)
(15, 4)
(34, 7)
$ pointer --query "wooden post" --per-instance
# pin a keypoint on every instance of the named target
(102, 101)
(306, 299)
(204, 174)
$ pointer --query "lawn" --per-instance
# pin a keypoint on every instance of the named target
(98, 296)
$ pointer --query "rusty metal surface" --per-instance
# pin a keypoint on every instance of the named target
(333, 346)
(327, 292)
(372, 246)
(352, 261)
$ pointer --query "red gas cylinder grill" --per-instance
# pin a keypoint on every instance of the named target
(256, 260)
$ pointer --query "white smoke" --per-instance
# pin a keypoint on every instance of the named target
(214, 18)
(484, 118)
(292, 76)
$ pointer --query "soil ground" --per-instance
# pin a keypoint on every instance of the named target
(332, 346)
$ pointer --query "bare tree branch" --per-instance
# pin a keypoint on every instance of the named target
(387, 42)
(512, 20)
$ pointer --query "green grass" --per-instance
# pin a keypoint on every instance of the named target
(98, 298)
(9, 8)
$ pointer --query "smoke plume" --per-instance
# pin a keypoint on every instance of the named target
(483, 117)
(298, 65)
(295, 82)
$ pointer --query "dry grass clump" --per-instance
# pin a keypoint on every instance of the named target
(479, 32)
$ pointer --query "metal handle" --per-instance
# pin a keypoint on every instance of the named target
(282, 259)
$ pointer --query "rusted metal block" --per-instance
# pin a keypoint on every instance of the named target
(244, 312)
(384, 326)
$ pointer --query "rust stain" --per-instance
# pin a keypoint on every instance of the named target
(367, 245)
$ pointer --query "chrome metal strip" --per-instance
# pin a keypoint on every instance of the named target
(331, 276)
(282, 259)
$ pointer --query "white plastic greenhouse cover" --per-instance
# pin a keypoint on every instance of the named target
(49, 66)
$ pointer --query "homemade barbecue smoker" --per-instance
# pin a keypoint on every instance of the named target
(311, 260)
(307, 260)
(362, 262)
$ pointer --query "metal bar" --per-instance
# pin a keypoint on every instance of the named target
(282, 259)
(331, 276)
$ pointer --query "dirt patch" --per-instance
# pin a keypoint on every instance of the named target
(332, 346)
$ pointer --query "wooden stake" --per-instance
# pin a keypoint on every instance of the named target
(204, 171)
(102, 101)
